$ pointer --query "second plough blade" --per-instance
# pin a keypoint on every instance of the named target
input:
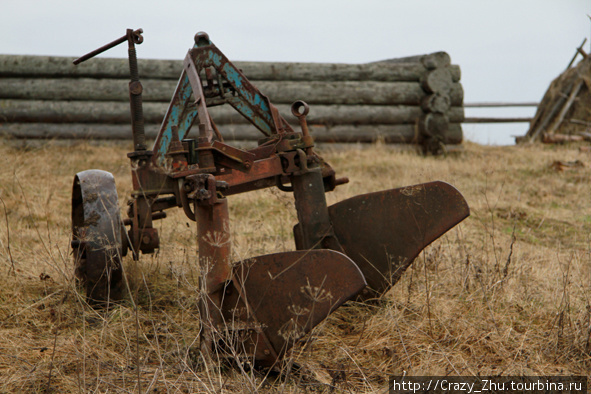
(383, 232)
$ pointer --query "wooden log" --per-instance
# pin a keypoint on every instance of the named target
(407, 134)
(72, 131)
(433, 124)
(438, 103)
(560, 138)
(381, 71)
(49, 111)
(315, 92)
(110, 112)
(430, 61)
(343, 133)
(340, 133)
(82, 89)
(57, 67)
(438, 80)
(569, 102)
(540, 125)
(454, 134)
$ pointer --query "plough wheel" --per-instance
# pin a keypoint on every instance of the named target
(96, 236)
(383, 232)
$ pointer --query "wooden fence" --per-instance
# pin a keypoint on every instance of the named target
(407, 100)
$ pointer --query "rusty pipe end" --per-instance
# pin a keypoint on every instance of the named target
(300, 108)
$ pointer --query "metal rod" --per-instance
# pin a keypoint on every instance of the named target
(213, 240)
(500, 104)
(106, 47)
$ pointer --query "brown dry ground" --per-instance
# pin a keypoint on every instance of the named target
(506, 292)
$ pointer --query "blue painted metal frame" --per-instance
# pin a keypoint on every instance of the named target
(248, 100)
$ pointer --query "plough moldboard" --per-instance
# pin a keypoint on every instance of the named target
(258, 308)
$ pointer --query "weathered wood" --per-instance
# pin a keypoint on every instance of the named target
(110, 112)
(72, 131)
(547, 117)
(437, 103)
(430, 61)
(314, 92)
(49, 111)
(438, 80)
(343, 133)
(384, 72)
(82, 89)
(569, 102)
(500, 104)
(58, 67)
(497, 120)
(48, 97)
(576, 53)
(552, 138)
(433, 124)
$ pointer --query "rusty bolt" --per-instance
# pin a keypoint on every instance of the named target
(267, 352)
(146, 239)
(135, 88)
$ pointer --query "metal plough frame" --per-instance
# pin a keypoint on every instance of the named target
(257, 309)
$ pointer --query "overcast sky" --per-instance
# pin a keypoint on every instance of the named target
(508, 50)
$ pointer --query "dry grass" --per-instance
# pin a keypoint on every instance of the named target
(507, 292)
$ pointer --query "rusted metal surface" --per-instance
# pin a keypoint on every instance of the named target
(96, 229)
(283, 296)
(213, 239)
(314, 230)
(257, 309)
(136, 37)
(132, 37)
(384, 231)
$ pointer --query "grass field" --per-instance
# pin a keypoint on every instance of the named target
(506, 292)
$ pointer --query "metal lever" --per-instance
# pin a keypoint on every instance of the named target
(135, 87)
(136, 36)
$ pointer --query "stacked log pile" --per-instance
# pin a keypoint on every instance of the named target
(410, 100)
(440, 83)
(564, 113)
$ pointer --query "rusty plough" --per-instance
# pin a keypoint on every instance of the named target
(254, 309)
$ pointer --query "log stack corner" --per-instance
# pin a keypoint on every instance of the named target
(413, 100)
(443, 97)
